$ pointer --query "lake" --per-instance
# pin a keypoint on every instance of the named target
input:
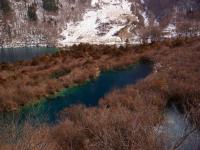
(47, 110)
(10, 55)
(87, 94)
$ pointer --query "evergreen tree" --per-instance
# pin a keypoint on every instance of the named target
(32, 12)
(5, 6)
(50, 5)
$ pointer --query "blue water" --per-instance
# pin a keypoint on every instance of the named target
(87, 94)
(10, 55)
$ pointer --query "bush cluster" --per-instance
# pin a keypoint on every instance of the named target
(50, 5)
(5, 6)
(32, 12)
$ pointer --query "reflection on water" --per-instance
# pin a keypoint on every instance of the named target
(178, 129)
(19, 54)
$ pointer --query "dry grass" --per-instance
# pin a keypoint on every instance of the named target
(26, 82)
(29, 138)
(125, 118)
(116, 128)
(94, 128)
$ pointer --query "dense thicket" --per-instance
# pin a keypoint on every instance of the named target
(50, 5)
(32, 12)
(130, 118)
(5, 6)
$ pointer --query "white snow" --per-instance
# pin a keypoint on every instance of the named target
(94, 2)
(156, 23)
(170, 31)
(142, 1)
(146, 20)
(111, 14)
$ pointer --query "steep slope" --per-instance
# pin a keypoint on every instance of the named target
(102, 24)
(163, 8)
(75, 20)
(61, 22)
(176, 17)
(170, 12)
(17, 29)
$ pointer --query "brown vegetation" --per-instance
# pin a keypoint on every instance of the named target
(25, 82)
(126, 118)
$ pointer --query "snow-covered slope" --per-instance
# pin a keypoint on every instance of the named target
(89, 21)
(170, 31)
(101, 23)
(17, 30)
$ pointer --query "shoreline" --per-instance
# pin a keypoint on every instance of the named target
(40, 68)
(47, 75)
(62, 91)
(135, 111)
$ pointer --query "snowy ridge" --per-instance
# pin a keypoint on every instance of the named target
(99, 24)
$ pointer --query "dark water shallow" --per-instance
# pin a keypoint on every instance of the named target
(10, 55)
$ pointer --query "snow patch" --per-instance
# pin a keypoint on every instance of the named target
(111, 14)
(94, 2)
(170, 31)
(146, 20)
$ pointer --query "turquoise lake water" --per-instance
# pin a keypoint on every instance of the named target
(87, 94)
